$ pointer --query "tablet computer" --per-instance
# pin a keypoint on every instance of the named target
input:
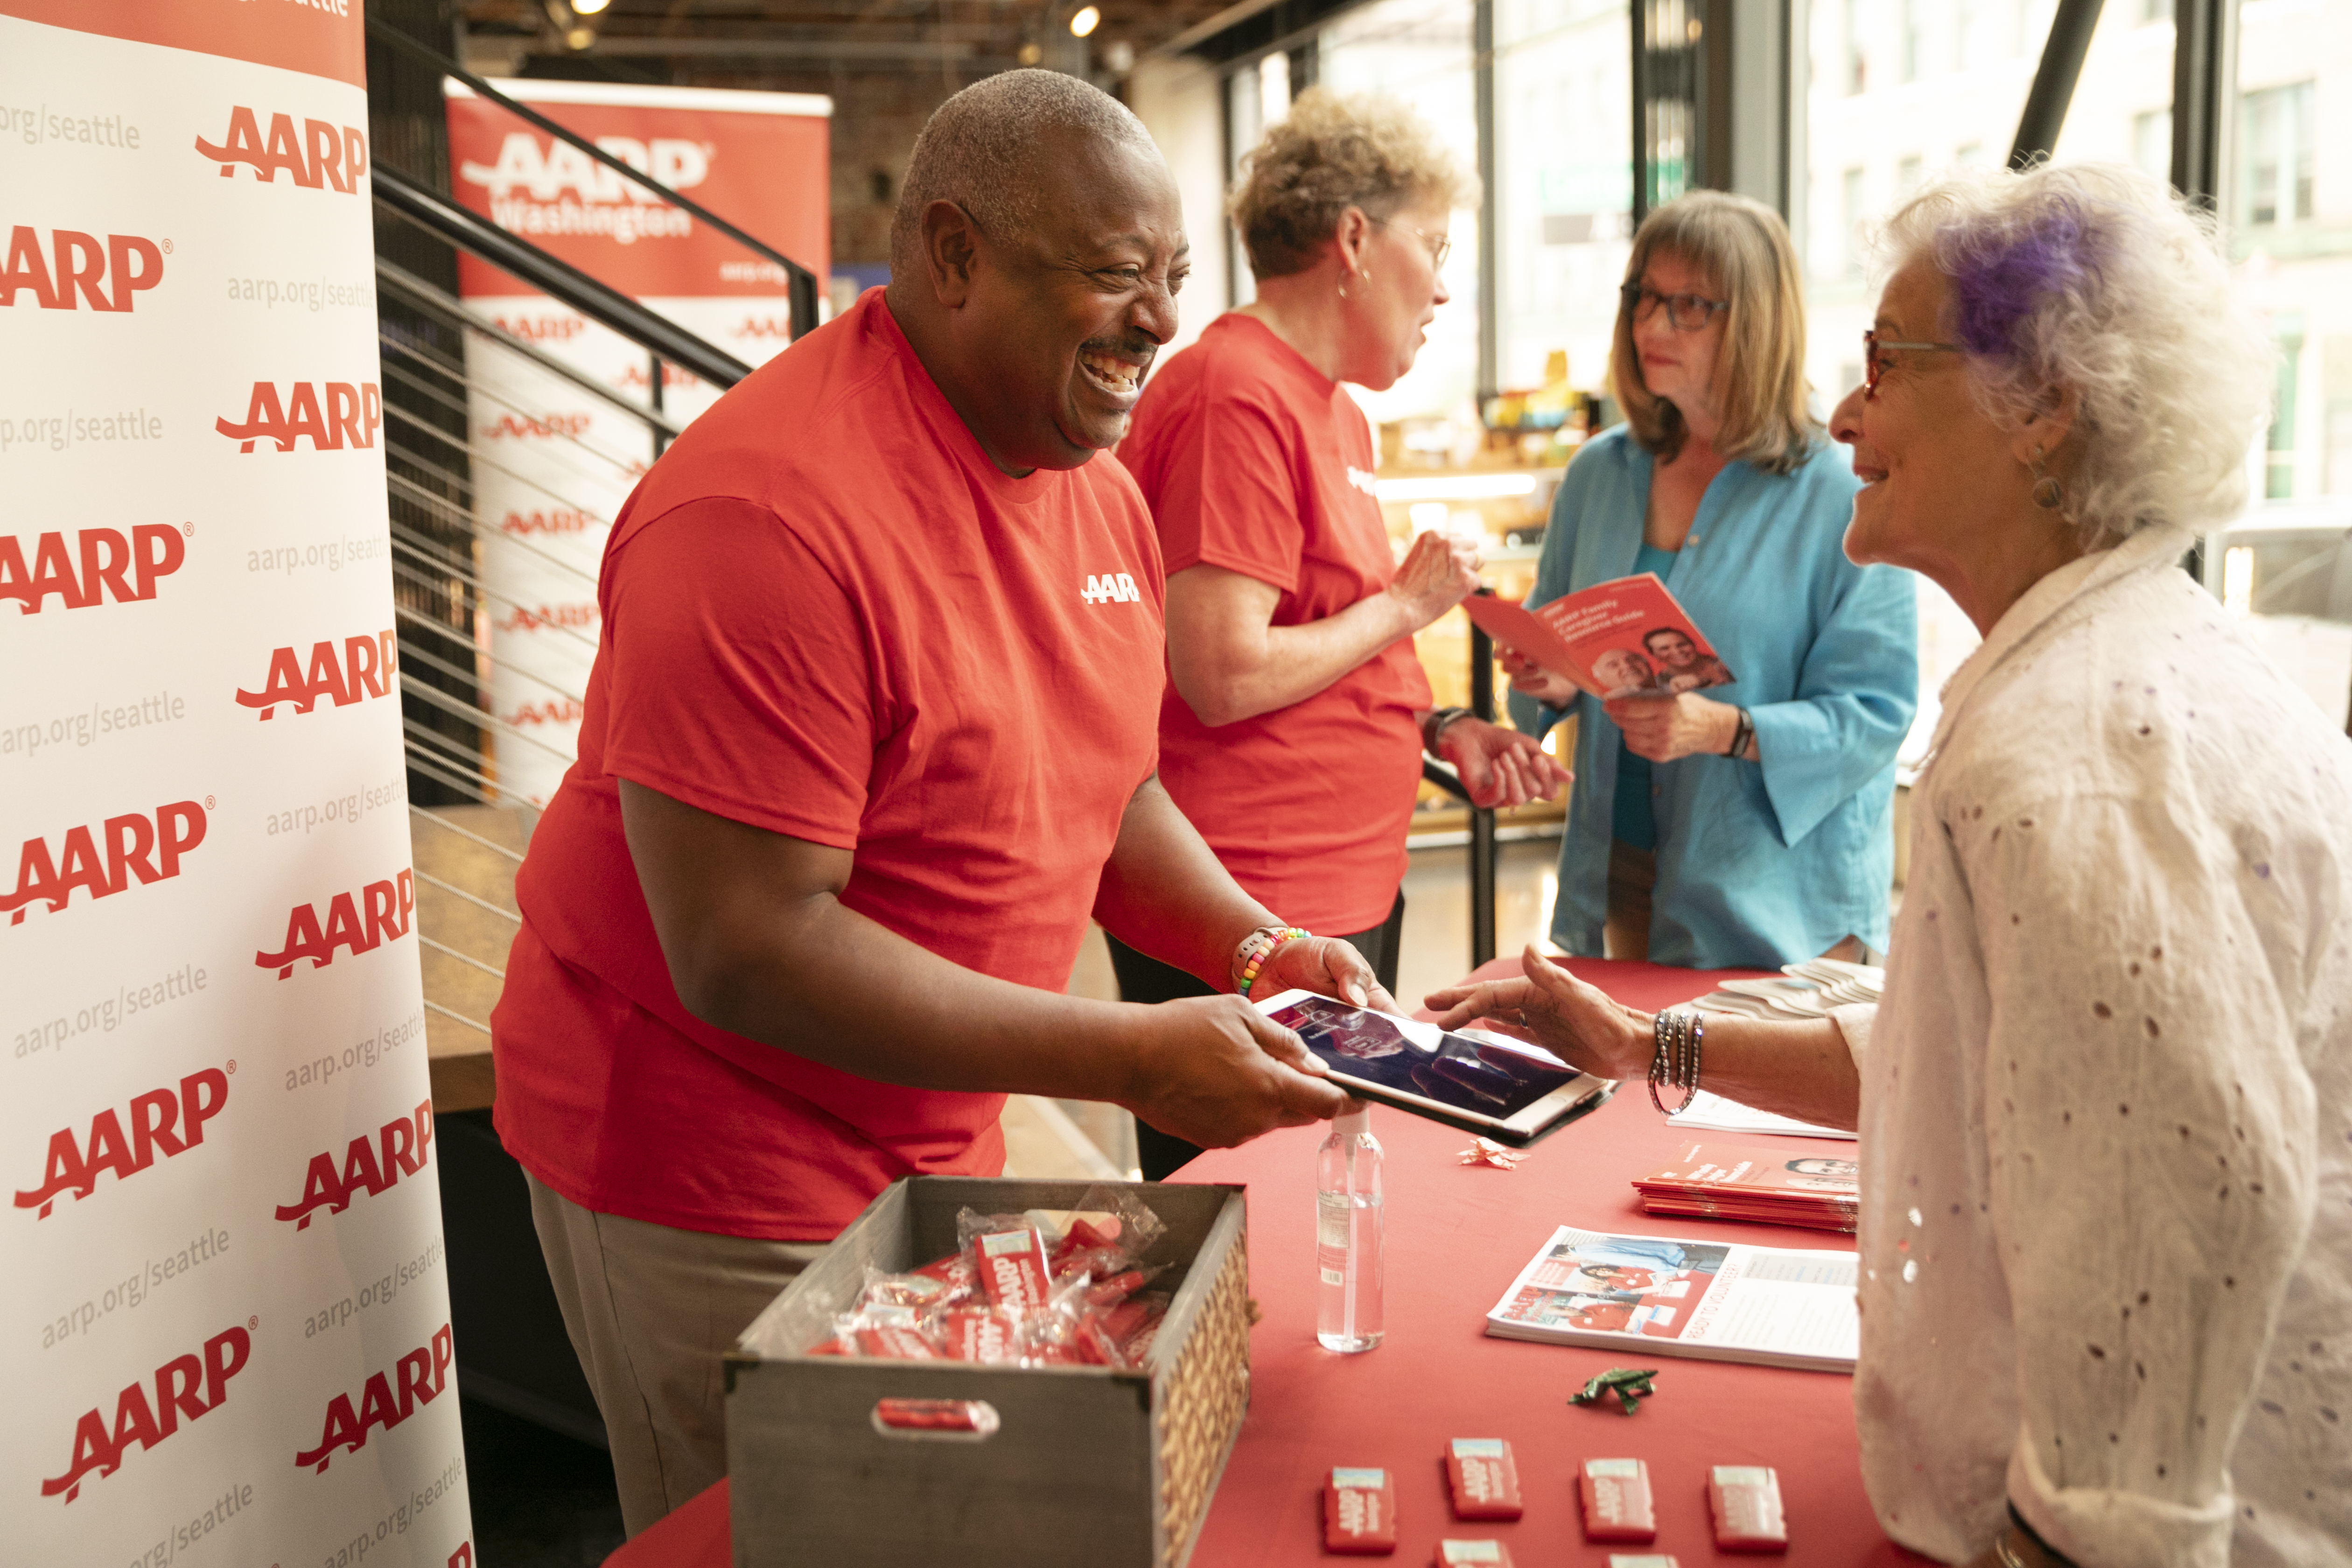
(1488, 1084)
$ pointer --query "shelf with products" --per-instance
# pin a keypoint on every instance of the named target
(1491, 476)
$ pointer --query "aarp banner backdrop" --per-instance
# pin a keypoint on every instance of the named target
(555, 462)
(225, 1321)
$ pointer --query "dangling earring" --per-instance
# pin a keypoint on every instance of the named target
(2048, 493)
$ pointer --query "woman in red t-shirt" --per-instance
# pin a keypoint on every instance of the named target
(1297, 713)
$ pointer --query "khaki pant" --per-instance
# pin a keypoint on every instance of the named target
(651, 1310)
(1626, 927)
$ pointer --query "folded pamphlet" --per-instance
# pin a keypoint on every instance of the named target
(1712, 1112)
(1627, 638)
(1775, 1184)
(1656, 1295)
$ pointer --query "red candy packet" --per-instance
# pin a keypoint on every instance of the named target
(1746, 1503)
(1360, 1512)
(1473, 1554)
(1011, 1264)
(1485, 1479)
(983, 1334)
(891, 1344)
(1617, 1502)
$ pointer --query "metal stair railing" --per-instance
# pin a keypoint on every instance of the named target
(801, 282)
(607, 306)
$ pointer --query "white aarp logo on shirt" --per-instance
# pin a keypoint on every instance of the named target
(1111, 588)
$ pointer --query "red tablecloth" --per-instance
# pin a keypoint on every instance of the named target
(1456, 1236)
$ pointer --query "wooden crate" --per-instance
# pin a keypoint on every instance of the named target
(1089, 1466)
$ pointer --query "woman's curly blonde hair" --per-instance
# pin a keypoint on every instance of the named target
(1330, 153)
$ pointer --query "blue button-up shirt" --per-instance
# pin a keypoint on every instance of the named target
(1759, 864)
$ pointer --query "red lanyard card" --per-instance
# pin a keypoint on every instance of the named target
(1746, 1502)
(1617, 1506)
(1473, 1554)
(1360, 1512)
(1485, 1479)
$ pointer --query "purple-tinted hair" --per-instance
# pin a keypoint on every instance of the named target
(1999, 277)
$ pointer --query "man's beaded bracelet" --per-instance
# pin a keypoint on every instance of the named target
(1250, 958)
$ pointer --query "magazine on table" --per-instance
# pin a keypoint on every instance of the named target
(1627, 637)
(1656, 1295)
(1777, 1185)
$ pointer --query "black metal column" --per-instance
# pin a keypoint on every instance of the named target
(1482, 818)
(2053, 80)
(2204, 78)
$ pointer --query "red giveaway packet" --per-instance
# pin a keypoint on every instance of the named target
(1473, 1554)
(1746, 1503)
(1360, 1512)
(1617, 1505)
(1485, 1477)
(1012, 1267)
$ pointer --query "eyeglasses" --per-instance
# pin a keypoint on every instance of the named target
(1685, 312)
(1439, 246)
(1874, 357)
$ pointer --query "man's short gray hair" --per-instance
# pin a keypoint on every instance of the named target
(2095, 277)
(978, 151)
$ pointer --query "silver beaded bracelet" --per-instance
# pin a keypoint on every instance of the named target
(1677, 1038)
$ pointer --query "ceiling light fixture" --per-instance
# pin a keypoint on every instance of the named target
(1030, 54)
(1086, 22)
(579, 38)
(589, 7)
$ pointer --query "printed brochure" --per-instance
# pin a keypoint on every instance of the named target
(1656, 1295)
(1779, 1185)
(1627, 638)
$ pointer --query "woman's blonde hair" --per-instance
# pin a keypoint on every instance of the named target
(1742, 247)
(1329, 154)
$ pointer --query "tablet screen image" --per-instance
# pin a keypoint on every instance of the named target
(1485, 1079)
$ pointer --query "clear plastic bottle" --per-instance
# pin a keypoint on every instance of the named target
(1347, 1235)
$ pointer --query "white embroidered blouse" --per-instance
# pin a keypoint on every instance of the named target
(2106, 1104)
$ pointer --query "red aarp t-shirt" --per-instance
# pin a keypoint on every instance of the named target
(827, 615)
(1255, 462)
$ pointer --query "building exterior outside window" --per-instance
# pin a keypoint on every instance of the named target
(1564, 183)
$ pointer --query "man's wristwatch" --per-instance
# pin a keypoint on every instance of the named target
(1433, 722)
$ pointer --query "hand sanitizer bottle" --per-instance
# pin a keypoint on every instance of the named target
(1347, 1235)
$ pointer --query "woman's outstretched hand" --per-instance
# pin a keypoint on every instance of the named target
(1549, 1006)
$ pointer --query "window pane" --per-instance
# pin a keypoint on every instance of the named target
(2291, 205)
(1564, 183)
(1418, 50)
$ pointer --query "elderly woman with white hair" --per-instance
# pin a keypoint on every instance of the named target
(2105, 1108)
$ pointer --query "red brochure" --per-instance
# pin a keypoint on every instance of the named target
(1756, 1182)
(1627, 637)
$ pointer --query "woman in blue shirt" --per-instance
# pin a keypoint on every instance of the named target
(1748, 823)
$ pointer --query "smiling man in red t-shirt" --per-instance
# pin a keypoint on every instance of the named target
(871, 732)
